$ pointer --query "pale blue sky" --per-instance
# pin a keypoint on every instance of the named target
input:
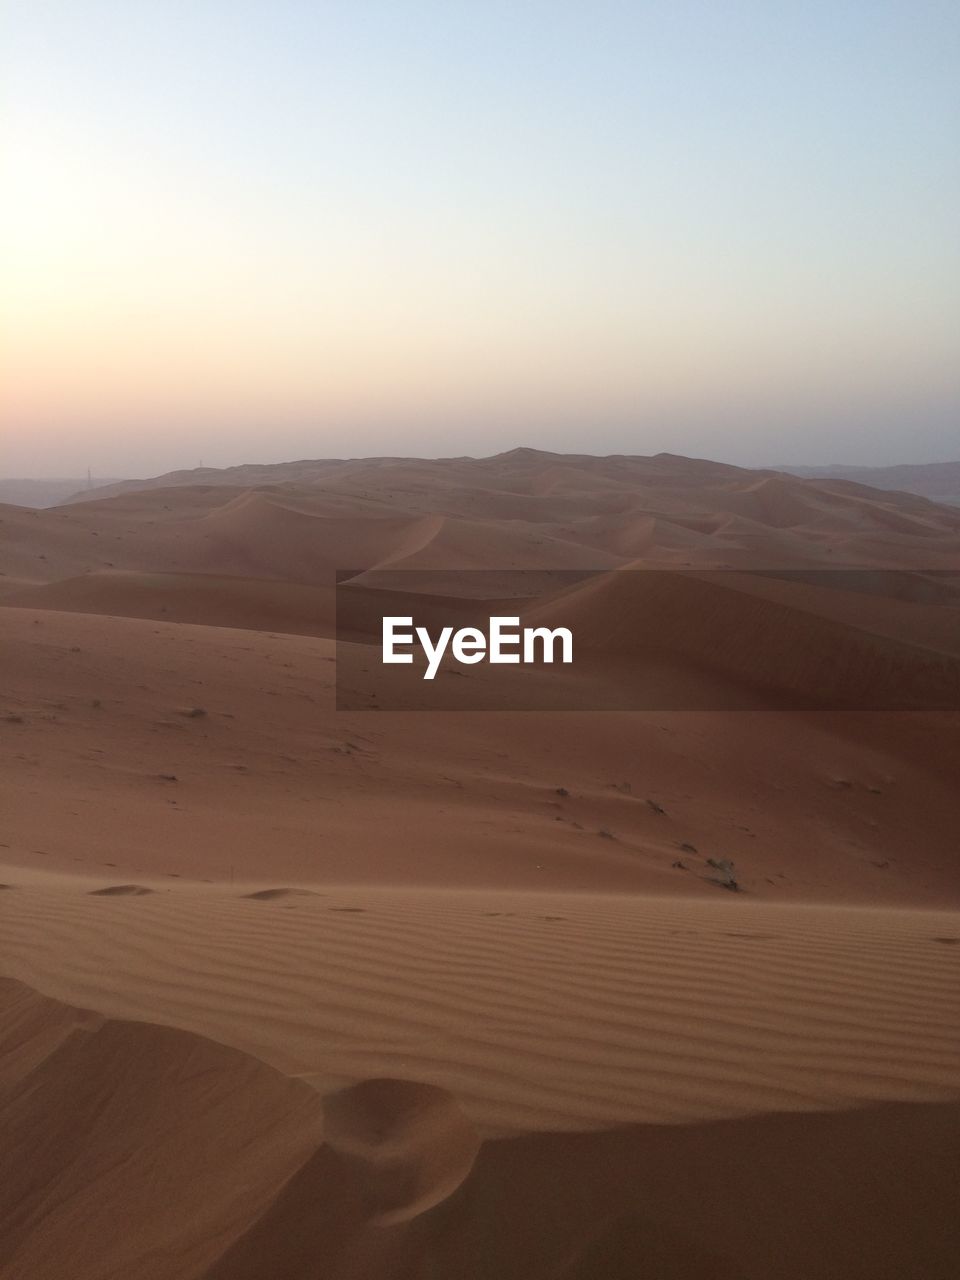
(240, 231)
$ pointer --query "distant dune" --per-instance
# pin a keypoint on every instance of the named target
(300, 521)
(939, 481)
(43, 493)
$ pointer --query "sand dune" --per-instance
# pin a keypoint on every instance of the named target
(300, 523)
(288, 991)
(272, 781)
(112, 1129)
(263, 537)
(669, 1012)
(216, 600)
(742, 628)
(711, 1202)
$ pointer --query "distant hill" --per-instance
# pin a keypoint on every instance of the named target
(42, 493)
(939, 481)
(322, 472)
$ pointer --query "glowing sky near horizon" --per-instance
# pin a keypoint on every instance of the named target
(247, 231)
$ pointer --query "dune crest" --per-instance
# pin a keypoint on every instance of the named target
(217, 1167)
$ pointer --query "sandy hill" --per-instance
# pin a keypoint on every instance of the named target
(98, 742)
(300, 522)
(802, 639)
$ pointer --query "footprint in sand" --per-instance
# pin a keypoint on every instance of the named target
(121, 891)
(271, 895)
(409, 1143)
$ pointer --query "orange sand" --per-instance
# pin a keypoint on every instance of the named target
(288, 993)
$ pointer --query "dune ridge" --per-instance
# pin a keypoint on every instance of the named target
(702, 1009)
(728, 622)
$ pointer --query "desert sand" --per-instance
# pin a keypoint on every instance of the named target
(289, 992)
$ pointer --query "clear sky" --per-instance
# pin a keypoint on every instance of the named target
(249, 230)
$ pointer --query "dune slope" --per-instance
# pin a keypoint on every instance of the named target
(447, 1009)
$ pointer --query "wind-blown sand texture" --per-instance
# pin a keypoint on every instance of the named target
(286, 992)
